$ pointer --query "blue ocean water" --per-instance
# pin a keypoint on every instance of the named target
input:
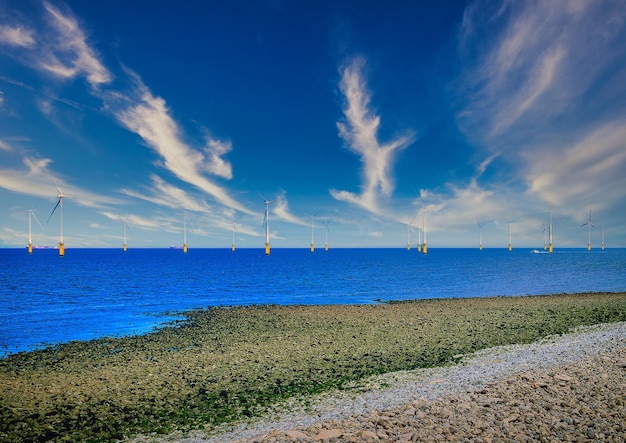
(89, 293)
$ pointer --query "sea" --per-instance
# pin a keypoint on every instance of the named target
(46, 299)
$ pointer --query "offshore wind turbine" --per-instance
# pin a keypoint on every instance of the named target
(232, 247)
(326, 223)
(510, 244)
(59, 205)
(266, 223)
(419, 231)
(125, 222)
(408, 234)
(31, 214)
(312, 242)
(550, 230)
(185, 232)
(480, 235)
(424, 247)
(602, 237)
(589, 225)
(544, 236)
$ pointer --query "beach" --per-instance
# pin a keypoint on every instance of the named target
(225, 367)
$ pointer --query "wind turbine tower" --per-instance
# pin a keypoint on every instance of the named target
(480, 235)
(31, 214)
(550, 233)
(59, 205)
(425, 247)
(266, 222)
(602, 237)
(124, 220)
(185, 232)
(326, 246)
(589, 225)
(408, 234)
(232, 247)
(510, 244)
(312, 226)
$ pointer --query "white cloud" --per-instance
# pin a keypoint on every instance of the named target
(281, 210)
(69, 54)
(16, 36)
(165, 194)
(39, 181)
(149, 117)
(215, 164)
(360, 134)
(543, 89)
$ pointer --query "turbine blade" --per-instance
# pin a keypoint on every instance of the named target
(55, 208)
(33, 212)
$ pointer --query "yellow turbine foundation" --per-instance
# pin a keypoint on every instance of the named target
(124, 247)
(61, 249)
(480, 247)
(544, 247)
(510, 247)
(30, 248)
(588, 246)
(326, 247)
(312, 247)
(603, 247)
(185, 248)
(419, 247)
(408, 246)
(267, 249)
(550, 248)
(232, 248)
(425, 249)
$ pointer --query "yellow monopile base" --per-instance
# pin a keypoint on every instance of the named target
(232, 248)
(603, 247)
(425, 249)
(267, 249)
(544, 247)
(124, 247)
(30, 248)
(588, 246)
(61, 249)
(480, 247)
(185, 248)
(312, 247)
(419, 247)
(408, 247)
(550, 248)
(326, 247)
(510, 247)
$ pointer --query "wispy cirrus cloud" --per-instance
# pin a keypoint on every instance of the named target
(359, 131)
(70, 55)
(19, 36)
(546, 97)
(162, 193)
(281, 210)
(35, 178)
(149, 117)
(66, 53)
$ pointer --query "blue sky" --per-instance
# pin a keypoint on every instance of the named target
(357, 112)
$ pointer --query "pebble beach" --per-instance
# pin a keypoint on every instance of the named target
(566, 388)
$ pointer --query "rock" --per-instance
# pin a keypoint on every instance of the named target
(328, 434)
(297, 435)
(368, 436)
(562, 377)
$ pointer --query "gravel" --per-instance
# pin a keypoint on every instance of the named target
(563, 388)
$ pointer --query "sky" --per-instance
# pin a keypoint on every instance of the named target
(358, 120)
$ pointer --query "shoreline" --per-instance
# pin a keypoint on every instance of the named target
(224, 365)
